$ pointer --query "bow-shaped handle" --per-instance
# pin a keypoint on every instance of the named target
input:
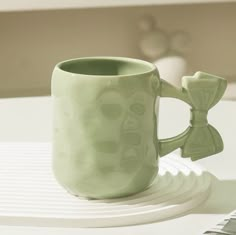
(201, 91)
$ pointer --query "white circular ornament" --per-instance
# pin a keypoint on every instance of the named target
(30, 195)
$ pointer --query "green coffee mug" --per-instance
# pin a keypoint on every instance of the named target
(105, 142)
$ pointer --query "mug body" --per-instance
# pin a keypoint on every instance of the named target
(105, 126)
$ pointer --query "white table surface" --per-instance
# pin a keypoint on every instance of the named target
(29, 119)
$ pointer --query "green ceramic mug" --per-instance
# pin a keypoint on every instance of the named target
(105, 141)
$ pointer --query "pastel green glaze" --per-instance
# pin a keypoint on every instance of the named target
(105, 142)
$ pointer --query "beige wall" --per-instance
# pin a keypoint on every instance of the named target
(32, 42)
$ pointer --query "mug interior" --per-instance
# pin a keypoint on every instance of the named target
(106, 66)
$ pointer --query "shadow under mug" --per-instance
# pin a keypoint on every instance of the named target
(105, 141)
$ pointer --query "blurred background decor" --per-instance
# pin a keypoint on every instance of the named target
(165, 50)
(179, 36)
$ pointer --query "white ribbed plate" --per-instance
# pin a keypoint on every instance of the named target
(29, 194)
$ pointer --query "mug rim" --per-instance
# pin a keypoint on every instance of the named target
(149, 65)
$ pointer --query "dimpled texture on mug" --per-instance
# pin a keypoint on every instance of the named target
(105, 142)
